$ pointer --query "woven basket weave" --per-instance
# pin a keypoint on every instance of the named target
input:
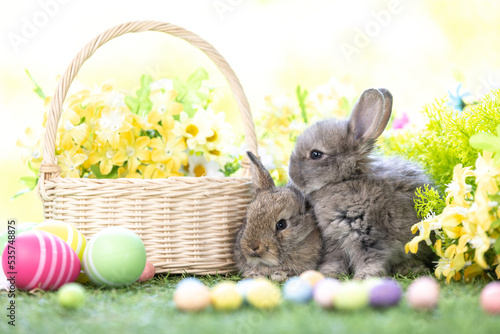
(187, 224)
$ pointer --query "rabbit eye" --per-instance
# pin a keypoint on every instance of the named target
(315, 154)
(281, 225)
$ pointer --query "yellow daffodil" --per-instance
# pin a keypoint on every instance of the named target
(132, 150)
(458, 189)
(451, 220)
(70, 161)
(113, 121)
(71, 131)
(196, 130)
(105, 156)
(450, 264)
(486, 173)
(425, 227)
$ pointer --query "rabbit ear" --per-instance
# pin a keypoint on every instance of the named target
(387, 110)
(262, 180)
(369, 118)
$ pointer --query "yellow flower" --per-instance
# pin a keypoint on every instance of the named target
(105, 156)
(218, 145)
(146, 122)
(70, 161)
(450, 263)
(198, 166)
(451, 220)
(71, 131)
(458, 189)
(164, 102)
(31, 147)
(133, 151)
(196, 130)
(124, 173)
(486, 173)
(159, 170)
(113, 121)
(168, 148)
(478, 240)
(425, 227)
(472, 271)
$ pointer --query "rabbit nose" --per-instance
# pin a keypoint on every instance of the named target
(255, 251)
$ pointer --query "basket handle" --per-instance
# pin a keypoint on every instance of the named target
(49, 167)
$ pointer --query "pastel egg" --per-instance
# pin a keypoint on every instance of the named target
(225, 297)
(19, 228)
(42, 260)
(490, 298)
(297, 290)
(191, 297)
(372, 282)
(263, 294)
(67, 232)
(189, 281)
(351, 296)
(386, 293)
(115, 256)
(423, 293)
(312, 277)
(148, 273)
(71, 295)
(242, 287)
(325, 291)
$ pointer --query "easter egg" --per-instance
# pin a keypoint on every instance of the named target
(114, 257)
(490, 298)
(191, 296)
(386, 293)
(423, 293)
(324, 292)
(148, 273)
(20, 228)
(189, 281)
(297, 290)
(225, 296)
(312, 277)
(71, 295)
(42, 260)
(263, 294)
(242, 287)
(66, 232)
(351, 296)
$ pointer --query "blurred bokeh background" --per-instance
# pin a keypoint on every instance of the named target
(417, 49)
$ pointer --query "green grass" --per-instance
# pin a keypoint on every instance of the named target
(148, 308)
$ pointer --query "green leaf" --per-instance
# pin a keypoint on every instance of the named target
(141, 104)
(301, 97)
(112, 175)
(38, 90)
(485, 141)
(497, 246)
(495, 224)
(195, 80)
(21, 192)
(29, 181)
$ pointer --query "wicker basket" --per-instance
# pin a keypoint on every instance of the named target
(187, 224)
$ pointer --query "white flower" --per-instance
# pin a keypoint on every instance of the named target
(198, 166)
(162, 84)
(196, 130)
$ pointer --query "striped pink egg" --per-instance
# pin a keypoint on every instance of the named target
(41, 260)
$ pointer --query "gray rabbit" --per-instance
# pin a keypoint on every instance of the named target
(363, 202)
(280, 237)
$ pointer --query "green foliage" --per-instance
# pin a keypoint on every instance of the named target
(189, 94)
(141, 104)
(444, 142)
(38, 90)
(301, 97)
(488, 142)
(428, 201)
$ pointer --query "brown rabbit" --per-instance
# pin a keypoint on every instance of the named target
(280, 237)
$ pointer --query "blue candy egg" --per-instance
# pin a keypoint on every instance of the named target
(242, 287)
(297, 290)
(187, 282)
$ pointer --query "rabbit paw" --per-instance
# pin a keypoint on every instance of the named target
(279, 276)
(332, 270)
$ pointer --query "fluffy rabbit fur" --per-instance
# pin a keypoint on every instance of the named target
(363, 203)
(280, 237)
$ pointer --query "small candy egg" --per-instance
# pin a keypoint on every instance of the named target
(71, 295)
(372, 282)
(312, 277)
(423, 293)
(351, 296)
(490, 298)
(386, 293)
(325, 291)
(191, 296)
(263, 294)
(148, 273)
(297, 290)
(189, 281)
(242, 287)
(225, 297)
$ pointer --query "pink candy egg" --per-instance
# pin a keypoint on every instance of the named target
(39, 259)
(423, 293)
(148, 273)
(325, 291)
(490, 298)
